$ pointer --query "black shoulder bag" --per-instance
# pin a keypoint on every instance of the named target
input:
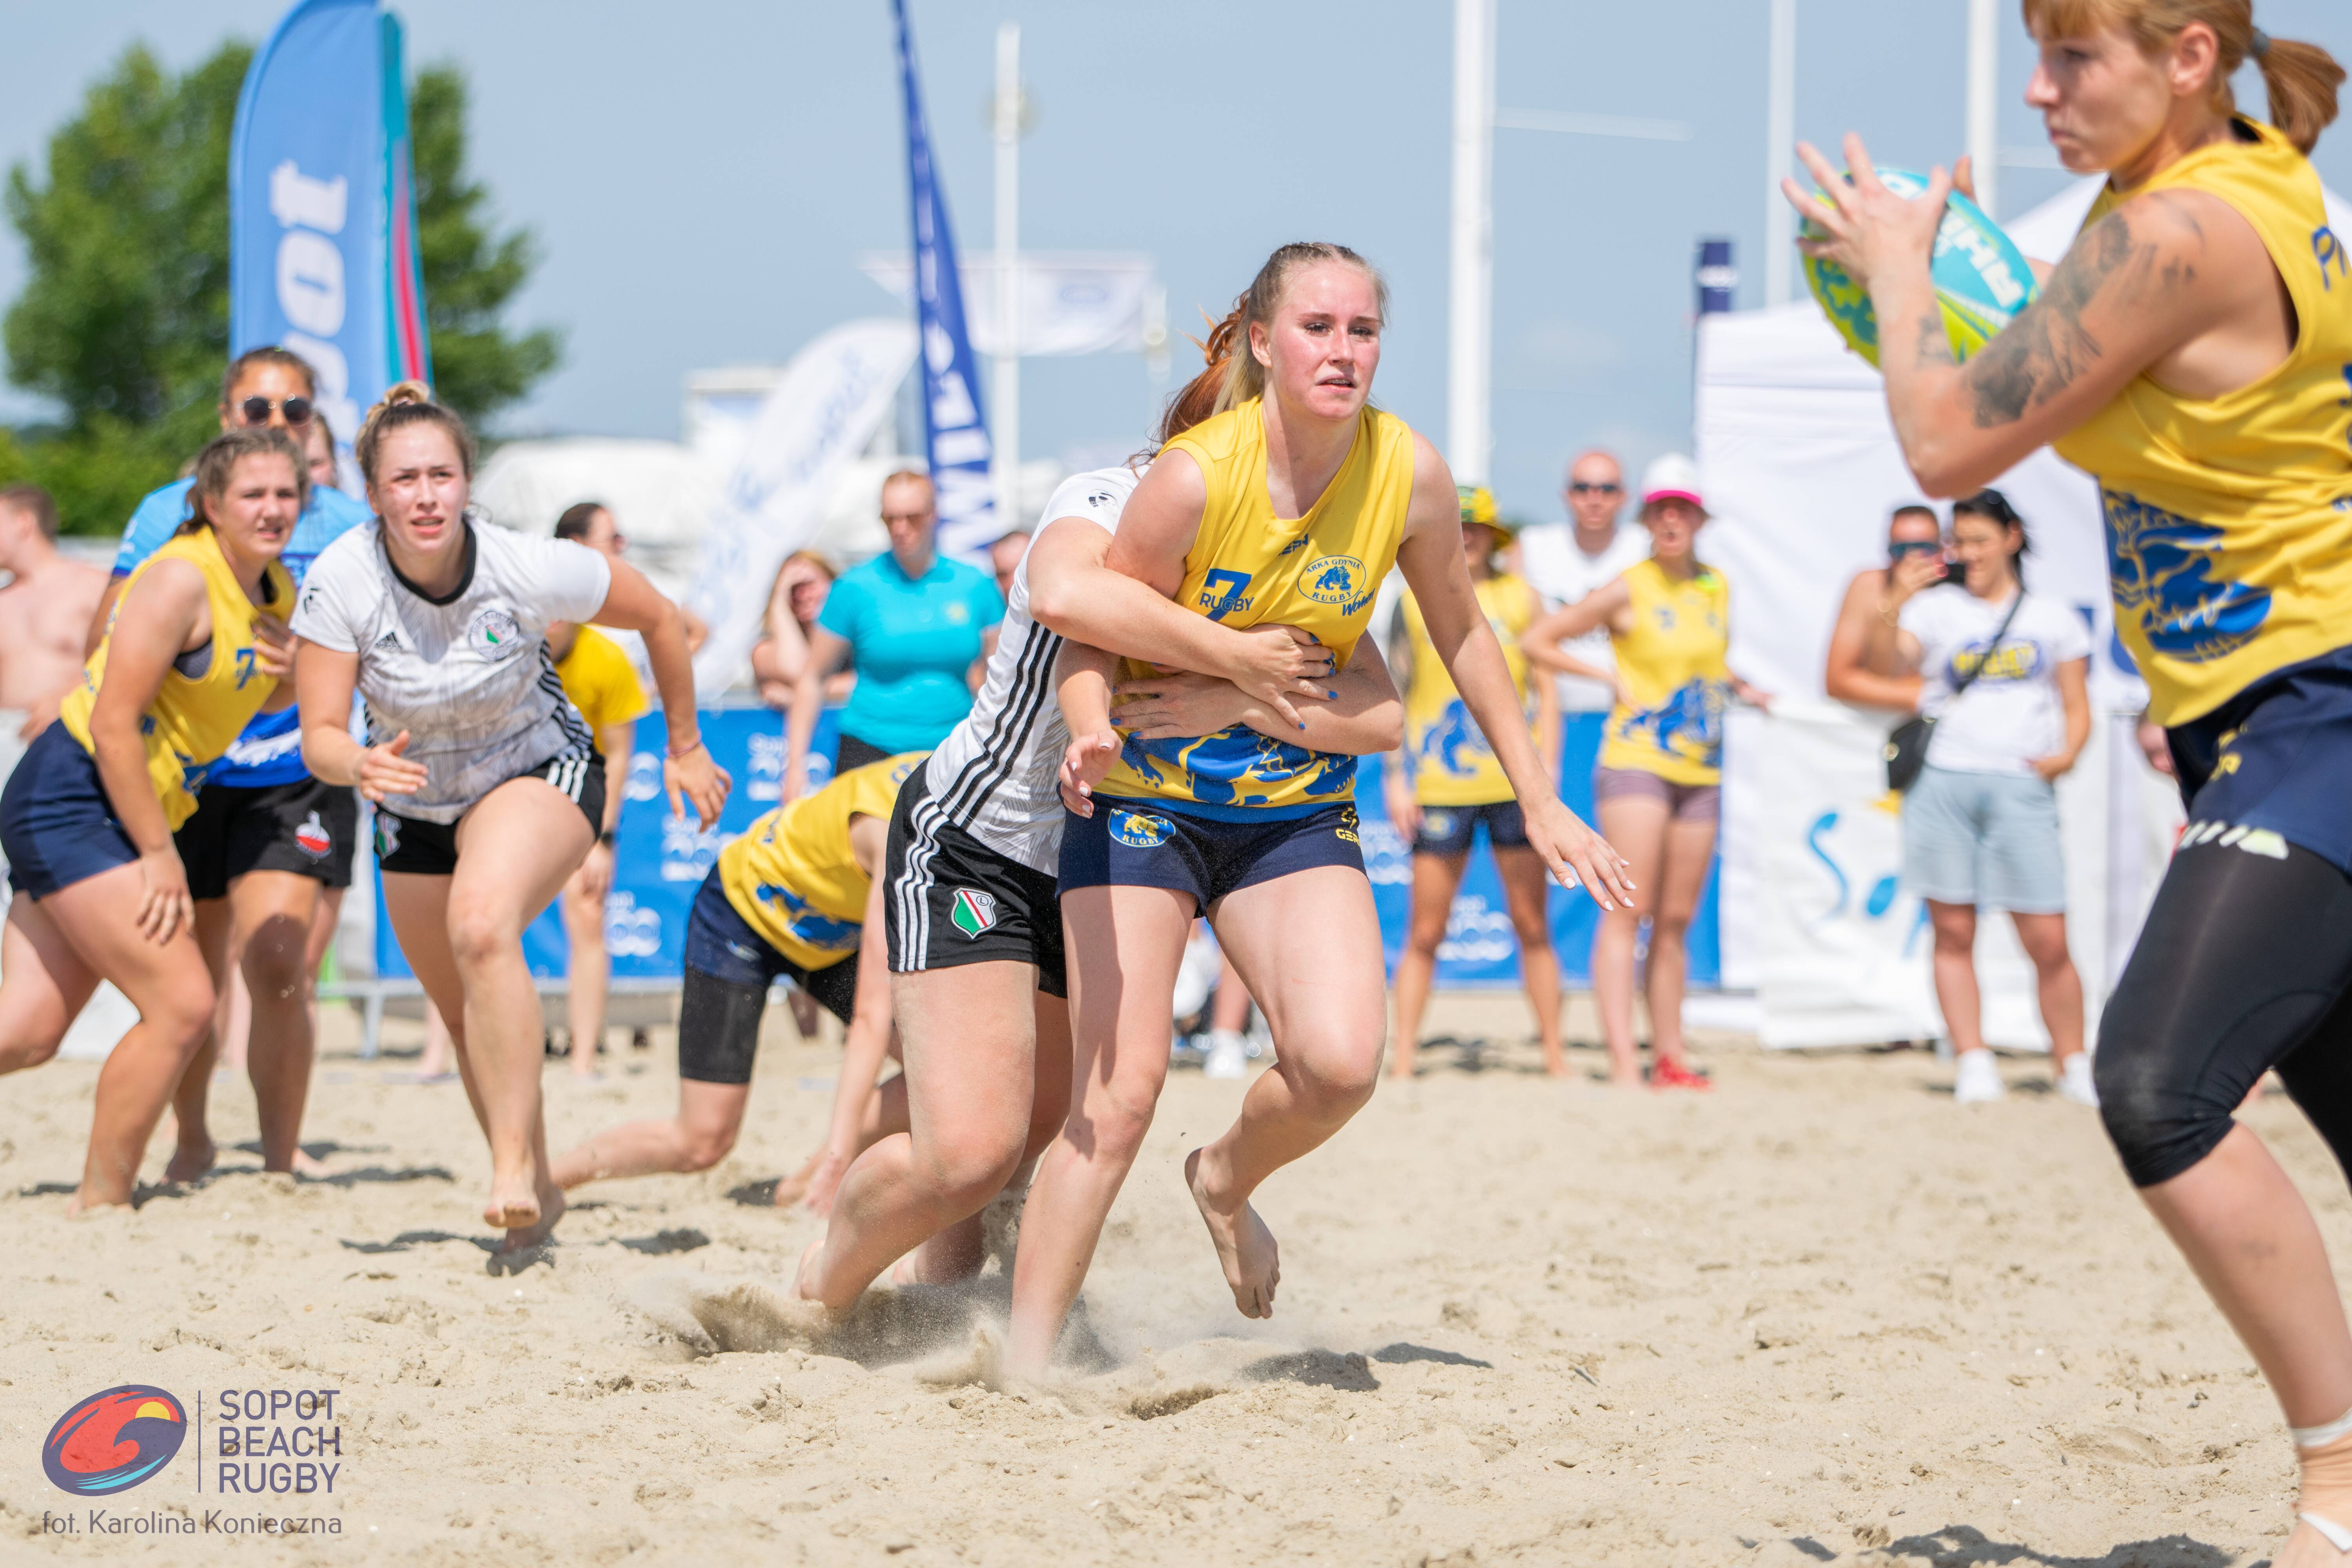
(1907, 748)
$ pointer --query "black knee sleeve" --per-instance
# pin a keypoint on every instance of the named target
(719, 1028)
(2240, 966)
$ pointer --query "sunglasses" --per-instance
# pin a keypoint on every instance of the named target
(1579, 488)
(1902, 548)
(256, 410)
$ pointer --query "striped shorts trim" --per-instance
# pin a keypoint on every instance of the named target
(408, 847)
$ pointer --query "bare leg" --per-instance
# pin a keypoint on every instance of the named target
(232, 1017)
(440, 1049)
(194, 1152)
(1310, 945)
(2044, 938)
(324, 926)
(275, 911)
(2251, 1240)
(463, 935)
(1124, 946)
(167, 984)
(1955, 973)
(1690, 850)
(590, 976)
(1527, 889)
(44, 987)
(1635, 827)
(987, 1082)
(1435, 880)
(1229, 1010)
(710, 1115)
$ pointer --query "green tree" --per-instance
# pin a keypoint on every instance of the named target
(124, 319)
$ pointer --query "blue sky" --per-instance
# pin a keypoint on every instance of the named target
(701, 176)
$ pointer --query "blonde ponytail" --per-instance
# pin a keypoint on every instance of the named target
(2301, 79)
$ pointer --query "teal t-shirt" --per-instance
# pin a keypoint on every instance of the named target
(912, 641)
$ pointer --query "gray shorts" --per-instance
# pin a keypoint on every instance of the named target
(1990, 840)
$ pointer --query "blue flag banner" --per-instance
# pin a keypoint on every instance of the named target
(955, 432)
(323, 252)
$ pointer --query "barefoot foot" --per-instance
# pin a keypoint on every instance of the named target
(806, 1269)
(1245, 1248)
(514, 1200)
(2308, 1548)
(190, 1160)
(539, 1231)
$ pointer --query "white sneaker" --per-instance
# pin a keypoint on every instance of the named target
(2075, 1081)
(1227, 1057)
(1979, 1079)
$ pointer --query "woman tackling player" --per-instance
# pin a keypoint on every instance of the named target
(1288, 506)
(441, 625)
(974, 928)
(2190, 351)
(195, 649)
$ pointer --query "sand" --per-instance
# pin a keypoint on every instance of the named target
(1819, 1315)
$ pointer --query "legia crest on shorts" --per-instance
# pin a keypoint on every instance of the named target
(974, 911)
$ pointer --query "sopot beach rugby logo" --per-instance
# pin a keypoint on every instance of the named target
(112, 1441)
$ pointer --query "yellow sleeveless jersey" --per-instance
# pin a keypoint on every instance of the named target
(194, 719)
(1248, 567)
(1673, 660)
(793, 876)
(598, 679)
(2229, 520)
(1452, 762)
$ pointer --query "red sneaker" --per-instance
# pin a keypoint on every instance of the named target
(1675, 1074)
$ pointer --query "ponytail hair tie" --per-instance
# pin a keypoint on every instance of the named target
(2261, 44)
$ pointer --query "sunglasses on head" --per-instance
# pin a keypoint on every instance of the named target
(1581, 488)
(256, 410)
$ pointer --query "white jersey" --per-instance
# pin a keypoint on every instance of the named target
(993, 777)
(469, 676)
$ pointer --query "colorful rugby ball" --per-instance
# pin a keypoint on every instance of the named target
(1982, 279)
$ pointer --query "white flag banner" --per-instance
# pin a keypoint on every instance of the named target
(1072, 302)
(834, 396)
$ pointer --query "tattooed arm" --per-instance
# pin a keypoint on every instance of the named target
(2174, 283)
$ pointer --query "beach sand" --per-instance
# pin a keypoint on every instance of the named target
(1818, 1315)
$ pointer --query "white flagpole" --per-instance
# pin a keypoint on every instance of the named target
(1005, 449)
(1779, 155)
(1470, 338)
(1984, 100)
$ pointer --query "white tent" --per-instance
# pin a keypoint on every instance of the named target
(1802, 470)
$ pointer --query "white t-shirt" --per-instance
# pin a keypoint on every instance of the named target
(1555, 567)
(468, 677)
(2011, 713)
(993, 777)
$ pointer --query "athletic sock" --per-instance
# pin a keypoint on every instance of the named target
(2324, 1497)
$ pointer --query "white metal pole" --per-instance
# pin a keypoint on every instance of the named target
(1984, 100)
(1779, 155)
(1006, 458)
(1470, 338)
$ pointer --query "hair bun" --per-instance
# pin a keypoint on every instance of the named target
(407, 391)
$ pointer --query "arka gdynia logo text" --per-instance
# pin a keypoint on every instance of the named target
(112, 1441)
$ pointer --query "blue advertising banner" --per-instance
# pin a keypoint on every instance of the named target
(1480, 948)
(955, 434)
(323, 253)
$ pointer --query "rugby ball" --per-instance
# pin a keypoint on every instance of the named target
(1982, 279)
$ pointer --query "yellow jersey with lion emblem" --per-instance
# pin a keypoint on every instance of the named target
(2229, 519)
(1248, 567)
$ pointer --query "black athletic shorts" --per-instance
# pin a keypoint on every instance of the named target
(952, 900)
(417, 848)
(1448, 829)
(729, 968)
(307, 827)
(849, 751)
(1138, 844)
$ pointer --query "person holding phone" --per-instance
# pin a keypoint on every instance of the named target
(1915, 555)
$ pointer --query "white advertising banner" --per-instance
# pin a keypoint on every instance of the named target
(1839, 950)
(834, 396)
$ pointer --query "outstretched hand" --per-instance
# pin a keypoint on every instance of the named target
(383, 769)
(697, 777)
(1577, 854)
(1866, 228)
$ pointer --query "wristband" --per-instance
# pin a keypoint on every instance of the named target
(677, 755)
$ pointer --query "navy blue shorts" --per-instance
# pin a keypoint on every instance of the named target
(1130, 843)
(1448, 829)
(722, 945)
(56, 827)
(2276, 756)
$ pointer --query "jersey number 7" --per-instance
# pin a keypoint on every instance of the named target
(1221, 590)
